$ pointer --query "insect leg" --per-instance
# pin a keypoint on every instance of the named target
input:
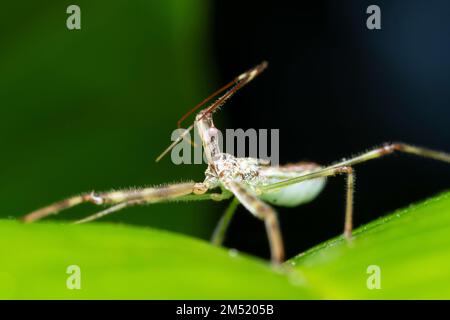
(389, 148)
(145, 199)
(107, 211)
(115, 197)
(320, 173)
(264, 212)
(346, 165)
(56, 207)
(221, 228)
(366, 156)
(348, 224)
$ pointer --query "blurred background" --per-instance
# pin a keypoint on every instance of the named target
(91, 109)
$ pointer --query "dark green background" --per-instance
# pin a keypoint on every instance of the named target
(90, 109)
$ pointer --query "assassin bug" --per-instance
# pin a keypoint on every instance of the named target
(253, 182)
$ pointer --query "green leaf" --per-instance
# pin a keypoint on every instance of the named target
(410, 247)
(119, 261)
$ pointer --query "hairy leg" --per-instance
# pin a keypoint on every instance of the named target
(264, 212)
(345, 166)
(147, 195)
(321, 173)
(142, 201)
(389, 148)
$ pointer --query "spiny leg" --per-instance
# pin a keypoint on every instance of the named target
(221, 228)
(265, 212)
(377, 153)
(348, 224)
(366, 156)
(321, 173)
(56, 207)
(148, 195)
(142, 201)
(346, 166)
(389, 148)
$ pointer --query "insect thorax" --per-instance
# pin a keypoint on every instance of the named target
(227, 168)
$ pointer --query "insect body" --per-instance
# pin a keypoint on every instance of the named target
(295, 194)
(252, 182)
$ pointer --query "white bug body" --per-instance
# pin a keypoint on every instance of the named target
(256, 173)
(295, 194)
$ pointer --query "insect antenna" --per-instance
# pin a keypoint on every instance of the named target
(236, 84)
(173, 144)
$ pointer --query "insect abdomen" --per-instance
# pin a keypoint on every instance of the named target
(295, 194)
